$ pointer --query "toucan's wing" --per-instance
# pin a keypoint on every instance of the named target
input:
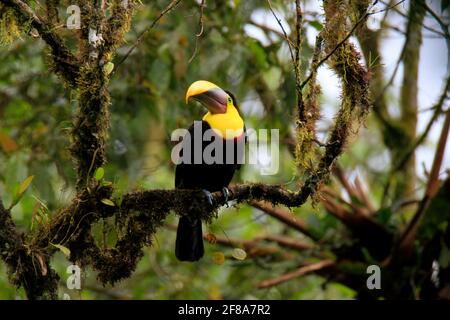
(238, 166)
(184, 170)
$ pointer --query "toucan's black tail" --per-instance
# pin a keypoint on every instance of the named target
(189, 243)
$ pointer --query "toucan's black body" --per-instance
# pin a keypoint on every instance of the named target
(211, 177)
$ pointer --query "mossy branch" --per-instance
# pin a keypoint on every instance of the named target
(308, 114)
(139, 214)
(343, 58)
(92, 119)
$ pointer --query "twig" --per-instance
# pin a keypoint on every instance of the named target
(254, 249)
(297, 273)
(385, 16)
(199, 34)
(298, 44)
(289, 242)
(424, 25)
(285, 217)
(355, 26)
(269, 29)
(339, 174)
(282, 241)
(334, 50)
(298, 25)
(357, 191)
(294, 57)
(394, 73)
(169, 7)
(444, 27)
(289, 42)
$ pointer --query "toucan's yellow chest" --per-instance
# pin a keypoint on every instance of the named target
(228, 125)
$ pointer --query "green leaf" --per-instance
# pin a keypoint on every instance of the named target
(108, 202)
(99, 173)
(25, 184)
(384, 215)
(119, 199)
(107, 183)
(258, 53)
(108, 68)
(63, 249)
(20, 190)
(316, 25)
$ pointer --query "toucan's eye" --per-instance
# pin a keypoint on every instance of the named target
(229, 99)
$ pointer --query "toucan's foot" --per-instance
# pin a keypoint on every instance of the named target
(209, 196)
(226, 194)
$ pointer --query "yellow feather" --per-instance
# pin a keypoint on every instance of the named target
(228, 125)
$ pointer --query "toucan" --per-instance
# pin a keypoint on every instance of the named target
(224, 123)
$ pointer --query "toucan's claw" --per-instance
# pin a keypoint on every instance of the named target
(226, 194)
(209, 196)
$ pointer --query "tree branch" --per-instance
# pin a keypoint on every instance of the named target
(286, 217)
(407, 238)
(66, 64)
(409, 94)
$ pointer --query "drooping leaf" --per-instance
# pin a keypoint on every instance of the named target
(25, 184)
(119, 198)
(20, 190)
(107, 183)
(99, 173)
(39, 213)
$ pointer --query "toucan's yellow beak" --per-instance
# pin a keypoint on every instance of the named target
(208, 94)
(199, 87)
